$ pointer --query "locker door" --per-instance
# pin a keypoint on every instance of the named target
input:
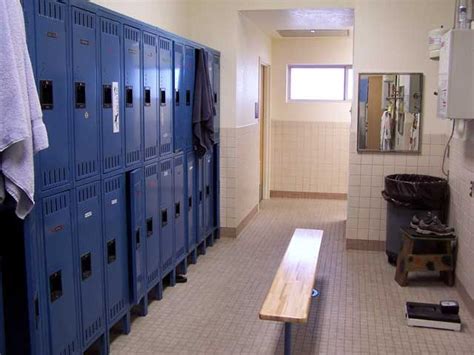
(207, 192)
(179, 208)
(52, 83)
(136, 235)
(216, 186)
(60, 276)
(90, 261)
(189, 74)
(216, 70)
(150, 91)
(166, 96)
(166, 216)
(152, 224)
(191, 199)
(116, 248)
(84, 77)
(179, 99)
(112, 122)
(132, 95)
(200, 199)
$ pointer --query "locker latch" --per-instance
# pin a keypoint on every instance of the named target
(163, 97)
(177, 209)
(190, 202)
(37, 312)
(46, 94)
(164, 217)
(107, 96)
(55, 286)
(129, 96)
(86, 266)
(208, 190)
(137, 237)
(111, 251)
(149, 227)
(215, 97)
(147, 96)
(177, 97)
(188, 97)
(80, 94)
(200, 196)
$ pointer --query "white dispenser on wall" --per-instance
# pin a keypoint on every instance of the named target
(456, 75)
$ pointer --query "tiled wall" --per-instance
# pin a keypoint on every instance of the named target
(461, 173)
(228, 177)
(310, 156)
(366, 219)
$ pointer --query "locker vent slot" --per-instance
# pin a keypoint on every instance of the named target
(93, 328)
(180, 251)
(150, 152)
(147, 96)
(166, 165)
(178, 161)
(165, 148)
(51, 9)
(69, 350)
(110, 27)
(112, 185)
(117, 308)
(112, 162)
(54, 176)
(131, 34)
(133, 157)
(150, 170)
(46, 94)
(153, 276)
(149, 39)
(86, 168)
(167, 264)
(86, 193)
(86, 266)
(54, 204)
(55, 286)
(111, 251)
(83, 18)
(164, 44)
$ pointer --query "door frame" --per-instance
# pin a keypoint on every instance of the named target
(262, 64)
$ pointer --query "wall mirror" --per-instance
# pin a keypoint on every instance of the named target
(389, 112)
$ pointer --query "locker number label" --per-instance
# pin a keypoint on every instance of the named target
(114, 201)
(88, 214)
(115, 107)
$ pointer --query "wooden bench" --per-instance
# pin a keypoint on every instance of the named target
(289, 297)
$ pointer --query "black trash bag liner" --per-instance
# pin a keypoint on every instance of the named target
(416, 191)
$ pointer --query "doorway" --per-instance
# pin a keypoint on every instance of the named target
(263, 115)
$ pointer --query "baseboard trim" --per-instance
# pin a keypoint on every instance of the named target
(359, 244)
(227, 232)
(308, 195)
(467, 299)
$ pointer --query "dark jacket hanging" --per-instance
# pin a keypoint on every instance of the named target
(204, 109)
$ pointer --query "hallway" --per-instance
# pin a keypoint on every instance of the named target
(360, 309)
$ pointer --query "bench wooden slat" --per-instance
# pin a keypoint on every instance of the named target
(289, 297)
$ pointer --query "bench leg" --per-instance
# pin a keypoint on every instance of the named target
(287, 338)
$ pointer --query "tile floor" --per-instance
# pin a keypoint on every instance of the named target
(360, 309)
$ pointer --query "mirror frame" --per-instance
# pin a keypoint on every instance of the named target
(420, 134)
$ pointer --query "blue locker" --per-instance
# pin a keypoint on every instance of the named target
(116, 248)
(59, 263)
(137, 239)
(90, 262)
(179, 122)
(179, 208)
(132, 95)
(85, 117)
(189, 78)
(111, 107)
(53, 86)
(200, 200)
(166, 216)
(166, 87)
(2, 322)
(152, 225)
(208, 198)
(216, 86)
(150, 95)
(191, 199)
(216, 187)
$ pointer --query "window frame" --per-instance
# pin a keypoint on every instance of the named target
(346, 68)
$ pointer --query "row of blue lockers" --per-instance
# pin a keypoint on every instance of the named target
(95, 251)
(115, 91)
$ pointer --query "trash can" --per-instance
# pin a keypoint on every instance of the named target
(407, 195)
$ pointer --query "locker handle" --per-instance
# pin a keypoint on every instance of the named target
(200, 196)
(164, 217)
(149, 227)
(215, 97)
(80, 94)
(107, 96)
(86, 266)
(46, 94)
(111, 251)
(55, 286)
(177, 97)
(162, 97)
(208, 190)
(177, 209)
(147, 96)
(188, 97)
(137, 237)
(129, 96)
(36, 302)
(190, 202)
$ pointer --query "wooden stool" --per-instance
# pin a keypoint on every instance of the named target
(436, 254)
